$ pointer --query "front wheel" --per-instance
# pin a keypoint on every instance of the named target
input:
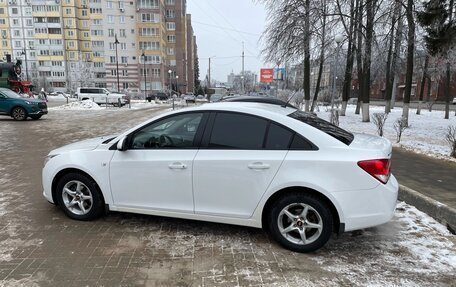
(79, 197)
(35, 117)
(300, 222)
(19, 114)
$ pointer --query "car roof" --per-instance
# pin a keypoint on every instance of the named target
(258, 99)
(247, 107)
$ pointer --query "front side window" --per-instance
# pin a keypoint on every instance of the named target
(237, 131)
(176, 132)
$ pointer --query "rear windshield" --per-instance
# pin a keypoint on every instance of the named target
(324, 126)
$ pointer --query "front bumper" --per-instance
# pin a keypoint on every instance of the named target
(40, 112)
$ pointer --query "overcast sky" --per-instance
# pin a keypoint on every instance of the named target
(220, 27)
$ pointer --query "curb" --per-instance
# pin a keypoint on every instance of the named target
(439, 211)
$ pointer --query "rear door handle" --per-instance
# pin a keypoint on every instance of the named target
(177, 165)
(258, 165)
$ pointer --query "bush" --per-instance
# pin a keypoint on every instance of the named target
(451, 139)
(379, 120)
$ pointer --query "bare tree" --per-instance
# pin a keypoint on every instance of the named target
(400, 126)
(451, 139)
(379, 120)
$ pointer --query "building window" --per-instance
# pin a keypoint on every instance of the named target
(170, 2)
(123, 34)
(170, 14)
(172, 38)
(170, 26)
(122, 19)
(109, 4)
(110, 19)
(148, 4)
(112, 59)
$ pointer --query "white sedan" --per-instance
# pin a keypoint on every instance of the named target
(251, 164)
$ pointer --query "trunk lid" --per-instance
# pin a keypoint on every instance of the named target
(381, 147)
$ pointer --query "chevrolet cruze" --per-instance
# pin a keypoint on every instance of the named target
(252, 164)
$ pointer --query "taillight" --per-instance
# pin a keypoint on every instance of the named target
(378, 168)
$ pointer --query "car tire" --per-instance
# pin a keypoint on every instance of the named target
(79, 197)
(35, 117)
(19, 114)
(298, 229)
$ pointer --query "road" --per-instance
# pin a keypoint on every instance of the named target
(40, 246)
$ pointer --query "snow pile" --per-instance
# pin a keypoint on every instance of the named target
(78, 106)
(426, 132)
(58, 97)
(411, 242)
(143, 105)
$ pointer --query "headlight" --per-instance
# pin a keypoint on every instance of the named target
(48, 157)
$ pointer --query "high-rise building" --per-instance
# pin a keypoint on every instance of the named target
(127, 45)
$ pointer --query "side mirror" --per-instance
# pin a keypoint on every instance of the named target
(122, 144)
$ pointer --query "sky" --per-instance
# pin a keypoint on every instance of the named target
(220, 27)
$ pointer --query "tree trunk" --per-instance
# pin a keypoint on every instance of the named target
(447, 90)
(390, 68)
(391, 82)
(423, 82)
(359, 47)
(306, 80)
(349, 64)
(370, 7)
(410, 54)
(322, 59)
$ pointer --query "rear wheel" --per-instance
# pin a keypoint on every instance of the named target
(300, 222)
(19, 114)
(79, 197)
(35, 117)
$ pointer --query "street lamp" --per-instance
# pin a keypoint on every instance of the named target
(169, 85)
(145, 79)
(117, 63)
(338, 39)
(177, 85)
(24, 52)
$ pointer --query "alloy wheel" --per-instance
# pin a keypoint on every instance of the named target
(77, 197)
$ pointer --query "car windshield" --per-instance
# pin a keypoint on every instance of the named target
(10, 94)
(324, 126)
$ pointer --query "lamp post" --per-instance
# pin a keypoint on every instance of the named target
(24, 52)
(334, 118)
(117, 64)
(177, 85)
(145, 79)
(169, 85)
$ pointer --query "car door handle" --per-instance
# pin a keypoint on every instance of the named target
(259, 165)
(177, 165)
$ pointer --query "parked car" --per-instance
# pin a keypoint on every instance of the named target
(215, 98)
(189, 98)
(253, 164)
(161, 96)
(19, 108)
(102, 96)
(454, 101)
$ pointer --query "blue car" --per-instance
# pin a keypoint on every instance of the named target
(19, 108)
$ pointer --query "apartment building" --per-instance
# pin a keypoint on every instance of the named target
(127, 45)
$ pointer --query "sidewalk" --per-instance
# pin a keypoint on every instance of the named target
(428, 184)
(432, 177)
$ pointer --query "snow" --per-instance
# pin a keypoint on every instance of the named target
(78, 106)
(58, 97)
(411, 242)
(426, 132)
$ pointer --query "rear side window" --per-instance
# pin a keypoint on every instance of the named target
(236, 131)
(278, 138)
(324, 126)
(83, 91)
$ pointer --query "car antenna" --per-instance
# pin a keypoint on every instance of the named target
(286, 104)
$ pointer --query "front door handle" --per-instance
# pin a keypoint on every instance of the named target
(258, 165)
(177, 165)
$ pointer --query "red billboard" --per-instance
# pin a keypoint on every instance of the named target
(266, 75)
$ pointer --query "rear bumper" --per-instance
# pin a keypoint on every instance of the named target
(367, 208)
